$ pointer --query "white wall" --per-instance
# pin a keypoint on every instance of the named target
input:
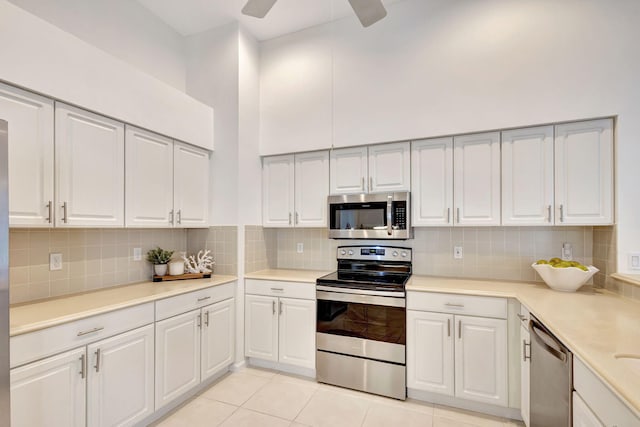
(123, 28)
(446, 67)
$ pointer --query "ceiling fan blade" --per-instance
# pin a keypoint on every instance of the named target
(368, 11)
(258, 8)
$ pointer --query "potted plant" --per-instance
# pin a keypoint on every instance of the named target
(159, 258)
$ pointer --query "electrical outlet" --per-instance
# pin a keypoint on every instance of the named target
(55, 262)
(300, 248)
(457, 252)
(567, 251)
(137, 254)
(634, 261)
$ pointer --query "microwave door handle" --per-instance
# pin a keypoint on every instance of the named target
(389, 206)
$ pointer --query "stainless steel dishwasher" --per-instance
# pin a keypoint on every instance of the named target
(551, 378)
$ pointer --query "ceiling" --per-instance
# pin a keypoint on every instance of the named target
(287, 16)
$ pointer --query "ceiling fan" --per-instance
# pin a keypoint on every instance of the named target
(368, 11)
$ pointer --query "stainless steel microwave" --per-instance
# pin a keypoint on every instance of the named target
(370, 216)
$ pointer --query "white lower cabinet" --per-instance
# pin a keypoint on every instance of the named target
(279, 328)
(108, 383)
(582, 415)
(525, 366)
(460, 355)
(192, 347)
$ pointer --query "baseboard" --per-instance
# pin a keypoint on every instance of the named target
(484, 408)
(282, 367)
(238, 365)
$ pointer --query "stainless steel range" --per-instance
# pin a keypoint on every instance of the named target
(361, 320)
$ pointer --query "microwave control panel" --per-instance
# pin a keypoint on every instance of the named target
(400, 215)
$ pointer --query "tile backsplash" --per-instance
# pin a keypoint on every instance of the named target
(604, 256)
(91, 259)
(222, 241)
(260, 248)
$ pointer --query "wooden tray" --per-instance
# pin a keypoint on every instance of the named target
(168, 278)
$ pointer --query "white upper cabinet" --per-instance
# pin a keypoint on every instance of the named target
(311, 189)
(278, 191)
(477, 179)
(348, 171)
(390, 167)
(89, 157)
(190, 186)
(149, 179)
(584, 173)
(432, 182)
(30, 119)
(378, 168)
(527, 176)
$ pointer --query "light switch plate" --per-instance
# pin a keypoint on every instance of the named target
(55, 262)
(567, 251)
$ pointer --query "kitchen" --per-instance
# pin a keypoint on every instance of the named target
(429, 69)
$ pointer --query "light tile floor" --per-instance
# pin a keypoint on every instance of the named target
(257, 397)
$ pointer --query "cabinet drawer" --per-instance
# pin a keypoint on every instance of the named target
(600, 399)
(190, 301)
(281, 289)
(46, 342)
(458, 304)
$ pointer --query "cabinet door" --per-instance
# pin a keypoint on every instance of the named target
(190, 186)
(390, 167)
(218, 337)
(30, 119)
(177, 356)
(527, 176)
(476, 180)
(278, 191)
(583, 416)
(89, 153)
(149, 179)
(430, 352)
(481, 359)
(525, 379)
(348, 171)
(261, 327)
(584, 173)
(297, 332)
(120, 387)
(50, 392)
(432, 182)
(311, 189)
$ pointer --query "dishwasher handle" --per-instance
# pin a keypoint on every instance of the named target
(537, 333)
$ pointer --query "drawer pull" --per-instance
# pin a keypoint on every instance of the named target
(522, 318)
(450, 304)
(83, 366)
(90, 331)
(203, 299)
(277, 289)
(97, 365)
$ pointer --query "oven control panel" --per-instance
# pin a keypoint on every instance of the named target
(377, 253)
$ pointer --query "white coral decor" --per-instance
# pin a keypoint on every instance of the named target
(202, 263)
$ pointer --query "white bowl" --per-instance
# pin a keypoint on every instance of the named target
(564, 279)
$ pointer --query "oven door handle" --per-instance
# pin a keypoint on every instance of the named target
(361, 299)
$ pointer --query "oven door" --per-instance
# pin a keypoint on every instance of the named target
(372, 327)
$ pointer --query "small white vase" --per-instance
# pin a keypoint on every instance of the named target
(160, 269)
(176, 268)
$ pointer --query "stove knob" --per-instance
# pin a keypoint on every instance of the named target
(343, 252)
(404, 254)
(350, 252)
(395, 253)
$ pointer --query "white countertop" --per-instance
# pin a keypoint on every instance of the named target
(284, 275)
(31, 317)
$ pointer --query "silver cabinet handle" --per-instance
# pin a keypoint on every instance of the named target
(289, 218)
(203, 299)
(179, 215)
(460, 329)
(171, 216)
(199, 320)
(280, 307)
(448, 327)
(458, 215)
(362, 184)
(450, 304)
(448, 215)
(90, 331)
(273, 306)
(297, 217)
(549, 214)
(521, 317)
(97, 365)
(206, 318)
(64, 212)
(83, 366)
(50, 209)
(525, 344)
(277, 289)
(370, 183)
(561, 213)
